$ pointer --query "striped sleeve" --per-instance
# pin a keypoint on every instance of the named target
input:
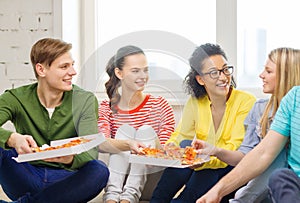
(167, 120)
(104, 119)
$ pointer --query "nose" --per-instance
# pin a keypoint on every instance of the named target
(144, 74)
(222, 75)
(261, 75)
(72, 71)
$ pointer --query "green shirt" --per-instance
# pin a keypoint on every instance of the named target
(75, 116)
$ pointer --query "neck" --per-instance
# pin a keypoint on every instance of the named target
(217, 103)
(48, 98)
(131, 101)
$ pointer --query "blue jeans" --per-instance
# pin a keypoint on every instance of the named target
(27, 183)
(257, 190)
(284, 185)
(197, 183)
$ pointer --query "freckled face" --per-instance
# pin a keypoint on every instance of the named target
(134, 74)
(268, 77)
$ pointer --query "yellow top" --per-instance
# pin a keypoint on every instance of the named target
(197, 118)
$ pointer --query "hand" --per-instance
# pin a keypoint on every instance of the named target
(204, 147)
(209, 198)
(22, 143)
(173, 151)
(196, 166)
(62, 159)
(169, 145)
(135, 146)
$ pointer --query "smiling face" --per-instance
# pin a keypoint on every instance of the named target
(134, 74)
(219, 86)
(58, 76)
(268, 77)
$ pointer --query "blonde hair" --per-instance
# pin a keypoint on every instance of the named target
(287, 62)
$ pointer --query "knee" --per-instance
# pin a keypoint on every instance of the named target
(98, 170)
(278, 176)
(185, 143)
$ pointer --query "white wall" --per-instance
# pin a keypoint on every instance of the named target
(22, 23)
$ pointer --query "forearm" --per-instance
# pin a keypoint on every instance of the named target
(114, 145)
(228, 156)
(254, 163)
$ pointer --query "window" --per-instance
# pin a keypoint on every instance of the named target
(248, 30)
(168, 32)
(263, 26)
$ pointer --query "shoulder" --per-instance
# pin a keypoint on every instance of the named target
(157, 102)
(104, 104)
(22, 93)
(242, 94)
(201, 100)
(294, 92)
(81, 93)
(80, 90)
(292, 99)
(261, 102)
(241, 99)
(259, 107)
(156, 99)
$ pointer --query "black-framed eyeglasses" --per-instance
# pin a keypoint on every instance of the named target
(214, 74)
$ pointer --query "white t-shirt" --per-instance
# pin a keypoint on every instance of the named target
(50, 111)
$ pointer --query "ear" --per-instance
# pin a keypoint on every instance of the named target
(40, 69)
(199, 80)
(118, 73)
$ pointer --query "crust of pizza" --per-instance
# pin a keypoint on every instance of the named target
(71, 143)
(187, 155)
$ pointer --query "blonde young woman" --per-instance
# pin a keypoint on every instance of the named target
(281, 73)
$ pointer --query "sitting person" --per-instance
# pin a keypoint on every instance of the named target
(51, 109)
(131, 115)
(215, 113)
(281, 62)
(284, 183)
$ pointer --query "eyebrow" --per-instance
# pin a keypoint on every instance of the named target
(140, 68)
(66, 63)
(215, 68)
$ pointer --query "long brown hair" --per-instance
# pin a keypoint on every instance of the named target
(117, 61)
(287, 62)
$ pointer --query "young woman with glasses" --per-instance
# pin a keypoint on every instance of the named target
(215, 113)
(280, 75)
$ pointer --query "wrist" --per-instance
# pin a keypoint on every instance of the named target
(127, 145)
(216, 151)
(11, 140)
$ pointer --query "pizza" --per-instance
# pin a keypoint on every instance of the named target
(71, 143)
(187, 155)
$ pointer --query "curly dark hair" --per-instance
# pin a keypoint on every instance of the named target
(196, 61)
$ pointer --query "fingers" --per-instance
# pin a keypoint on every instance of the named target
(198, 144)
(30, 141)
(135, 147)
(62, 159)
